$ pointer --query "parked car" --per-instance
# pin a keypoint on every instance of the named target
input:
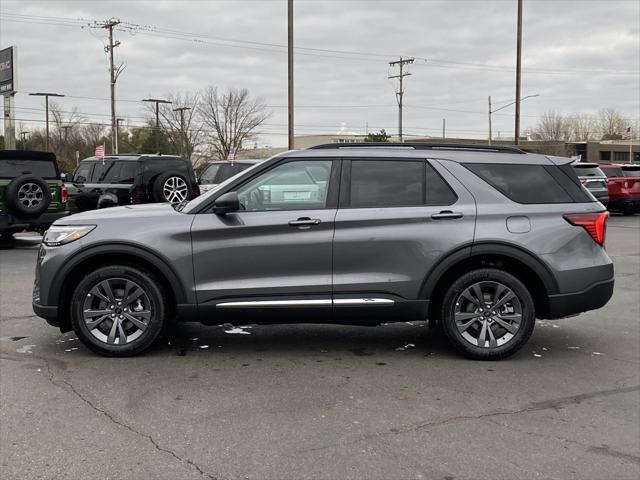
(219, 171)
(130, 179)
(480, 239)
(593, 179)
(624, 187)
(32, 195)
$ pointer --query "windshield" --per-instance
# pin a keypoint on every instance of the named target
(209, 174)
(204, 198)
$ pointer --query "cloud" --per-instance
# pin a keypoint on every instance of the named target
(574, 53)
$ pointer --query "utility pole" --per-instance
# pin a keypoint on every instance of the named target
(290, 71)
(518, 72)
(400, 92)
(183, 132)
(46, 107)
(113, 77)
(489, 119)
(444, 124)
(118, 120)
(157, 101)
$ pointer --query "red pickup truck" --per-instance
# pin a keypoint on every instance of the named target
(623, 182)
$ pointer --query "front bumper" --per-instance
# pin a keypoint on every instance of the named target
(567, 304)
(48, 312)
(10, 222)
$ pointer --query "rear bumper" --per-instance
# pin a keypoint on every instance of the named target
(625, 203)
(10, 222)
(566, 304)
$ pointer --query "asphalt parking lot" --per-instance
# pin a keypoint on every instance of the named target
(314, 401)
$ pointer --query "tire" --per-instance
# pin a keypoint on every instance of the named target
(6, 239)
(114, 334)
(28, 195)
(464, 318)
(172, 187)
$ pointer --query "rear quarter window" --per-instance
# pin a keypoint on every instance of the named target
(15, 168)
(527, 184)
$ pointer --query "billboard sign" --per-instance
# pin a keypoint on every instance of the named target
(8, 71)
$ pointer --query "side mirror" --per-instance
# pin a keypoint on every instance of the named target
(226, 203)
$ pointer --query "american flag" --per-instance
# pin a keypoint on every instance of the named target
(99, 151)
(232, 154)
(626, 133)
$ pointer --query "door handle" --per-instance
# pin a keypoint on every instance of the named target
(446, 215)
(304, 222)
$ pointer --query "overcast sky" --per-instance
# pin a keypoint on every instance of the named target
(579, 56)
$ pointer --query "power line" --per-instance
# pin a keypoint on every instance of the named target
(152, 30)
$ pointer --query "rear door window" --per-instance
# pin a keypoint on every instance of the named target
(387, 183)
(15, 168)
(122, 172)
(522, 183)
(438, 190)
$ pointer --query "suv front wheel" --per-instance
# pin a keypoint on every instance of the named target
(488, 314)
(118, 311)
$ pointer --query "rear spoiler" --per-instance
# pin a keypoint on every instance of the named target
(560, 160)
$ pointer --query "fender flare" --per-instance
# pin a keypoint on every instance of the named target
(469, 251)
(153, 257)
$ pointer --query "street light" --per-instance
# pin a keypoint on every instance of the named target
(182, 131)
(504, 106)
(157, 101)
(24, 139)
(46, 107)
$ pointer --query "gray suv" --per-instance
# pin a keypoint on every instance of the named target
(480, 240)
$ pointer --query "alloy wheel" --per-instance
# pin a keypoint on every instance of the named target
(175, 190)
(488, 314)
(117, 311)
(30, 195)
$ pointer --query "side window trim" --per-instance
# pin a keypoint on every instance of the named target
(429, 164)
(345, 183)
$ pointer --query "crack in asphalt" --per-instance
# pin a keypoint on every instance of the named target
(552, 404)
(114, 420)
(606, 450)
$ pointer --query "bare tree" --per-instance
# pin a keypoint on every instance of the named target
(611, 123)
(180, 122)
(230, 119)
(581, 128)
(552, 126)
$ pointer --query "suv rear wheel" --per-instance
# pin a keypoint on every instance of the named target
(118, 311)
(488, 314)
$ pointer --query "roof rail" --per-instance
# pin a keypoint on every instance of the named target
(422, 146)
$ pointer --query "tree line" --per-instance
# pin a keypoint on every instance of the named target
(206, 122)
(607, 124)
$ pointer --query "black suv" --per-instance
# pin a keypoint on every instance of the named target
(32, 195)
(129, 179)
(219, 171)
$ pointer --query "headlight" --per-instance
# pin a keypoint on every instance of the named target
(61, 235)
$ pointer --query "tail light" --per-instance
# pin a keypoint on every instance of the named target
(195, 191)
(64, 194)
(594, 223)
(137, 195)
